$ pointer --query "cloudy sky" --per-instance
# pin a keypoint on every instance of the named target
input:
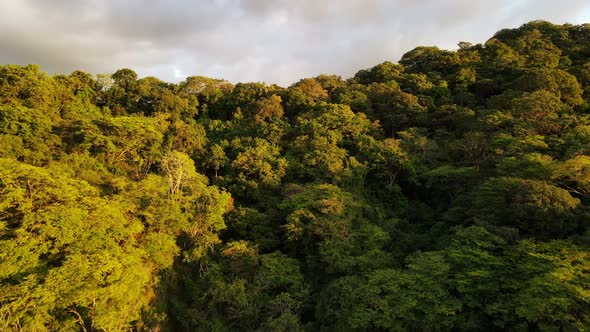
(273, 41)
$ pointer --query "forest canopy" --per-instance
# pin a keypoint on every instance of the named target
(449, 191)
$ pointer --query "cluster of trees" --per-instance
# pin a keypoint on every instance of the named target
(450, 191)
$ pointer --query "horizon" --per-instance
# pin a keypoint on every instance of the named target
(275, 44)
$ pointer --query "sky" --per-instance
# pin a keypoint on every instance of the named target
(272, 41)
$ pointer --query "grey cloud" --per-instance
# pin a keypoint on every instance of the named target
(277, 41)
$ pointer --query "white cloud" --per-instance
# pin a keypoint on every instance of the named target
(277, 41)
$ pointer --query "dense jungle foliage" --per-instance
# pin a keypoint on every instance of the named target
(449, 191)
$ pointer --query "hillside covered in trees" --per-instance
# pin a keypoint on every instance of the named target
(450, 191)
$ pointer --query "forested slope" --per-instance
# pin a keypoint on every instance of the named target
(450, 191)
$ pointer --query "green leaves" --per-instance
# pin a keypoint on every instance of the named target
(574, 175)
(535, 208)
(393, 299)
(27, 134)
(326, 224)
(562, 281)
(63, 246)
